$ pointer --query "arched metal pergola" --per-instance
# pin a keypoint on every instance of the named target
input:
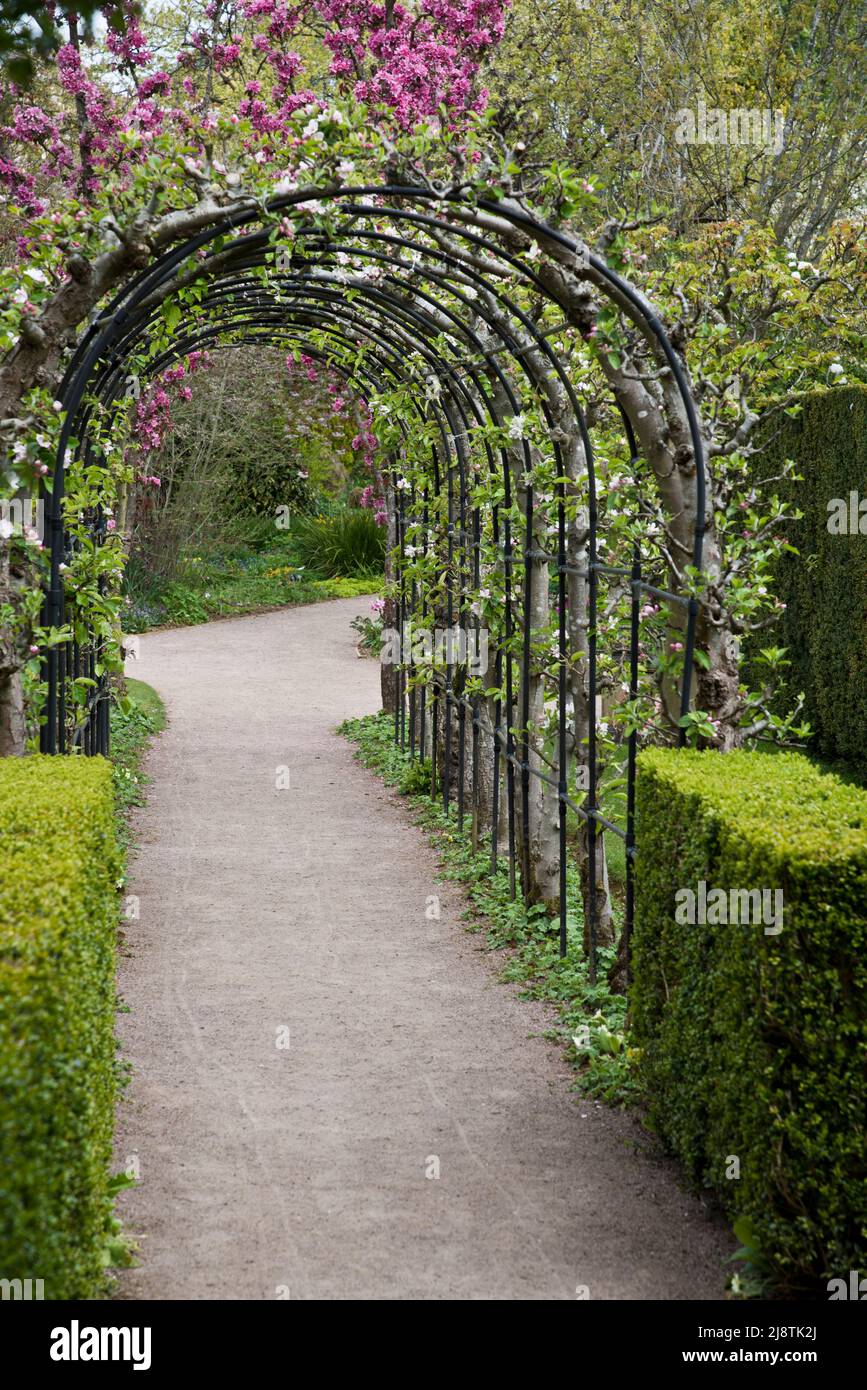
(410, 310)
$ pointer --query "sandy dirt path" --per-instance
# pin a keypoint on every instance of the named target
(296, 915)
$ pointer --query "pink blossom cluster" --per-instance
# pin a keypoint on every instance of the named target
(127, 43)
(414, 62)
(411, 60)
(365, 441)
(153, 412)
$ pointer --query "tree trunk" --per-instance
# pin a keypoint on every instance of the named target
(13, 727)
(542, 883)
(13, 654)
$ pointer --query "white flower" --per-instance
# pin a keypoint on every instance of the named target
(20, 296)
(6, 528)
(835, 369)
(38, 275)
(517, 426)
(402, 484)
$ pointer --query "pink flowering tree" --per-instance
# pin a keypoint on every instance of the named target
(107, 172)
(103, 171)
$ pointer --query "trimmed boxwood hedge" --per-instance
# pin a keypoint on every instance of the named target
(755, 1045)
(824, 586)
(59, 866)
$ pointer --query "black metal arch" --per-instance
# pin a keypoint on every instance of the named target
(431, 315)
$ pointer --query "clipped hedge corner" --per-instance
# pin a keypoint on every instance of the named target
(824, 586)
(59, 865)
(754, 1044)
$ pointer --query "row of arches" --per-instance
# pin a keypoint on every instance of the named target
(493, 527)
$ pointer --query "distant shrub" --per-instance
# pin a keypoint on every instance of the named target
(348, 543)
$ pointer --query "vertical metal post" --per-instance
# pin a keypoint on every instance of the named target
(632, 747)
(525, 695)
(562, 769)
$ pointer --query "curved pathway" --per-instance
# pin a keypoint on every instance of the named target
(309, 1051)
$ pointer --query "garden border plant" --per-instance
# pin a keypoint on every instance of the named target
(58, 1069)
(752, 1040)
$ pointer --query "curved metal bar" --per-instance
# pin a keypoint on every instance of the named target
(413, 314)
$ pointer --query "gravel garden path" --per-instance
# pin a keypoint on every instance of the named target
(333, 1097)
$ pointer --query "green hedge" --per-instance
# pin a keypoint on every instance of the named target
(825, 584)
(755, 1044)
(59, 866)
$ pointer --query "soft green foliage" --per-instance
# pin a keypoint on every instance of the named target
(369, 629)
(753, 1044)
(59, 866)
(592, 1014)
(134, 721)
(260, 469)
(824, 585)
(564, 85)
(248, 576)
(146, 703)
(350, 542)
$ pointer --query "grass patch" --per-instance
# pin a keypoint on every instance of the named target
(603, 1062)
(135, 720)
(148, 703)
